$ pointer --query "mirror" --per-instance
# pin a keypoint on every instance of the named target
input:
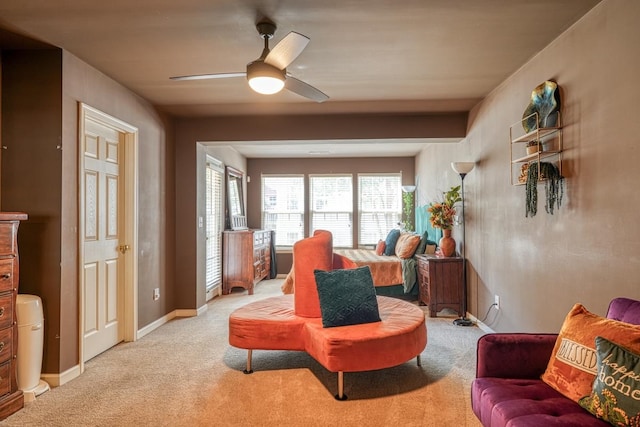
(236, 218)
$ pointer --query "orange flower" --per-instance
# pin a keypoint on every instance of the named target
(442, 213)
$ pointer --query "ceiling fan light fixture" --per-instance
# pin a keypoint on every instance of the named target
(264, 78)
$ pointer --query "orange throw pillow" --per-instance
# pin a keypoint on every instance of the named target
(572, 367)
(380, 247)
(407, 245)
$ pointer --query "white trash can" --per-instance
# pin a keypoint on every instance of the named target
(30, 346)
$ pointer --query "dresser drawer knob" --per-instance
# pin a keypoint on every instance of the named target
(1, 311)
(1, 346)
(5, 276)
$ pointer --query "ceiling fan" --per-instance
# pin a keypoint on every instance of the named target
(268, 74)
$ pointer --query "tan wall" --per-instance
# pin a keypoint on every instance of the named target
(587, 251)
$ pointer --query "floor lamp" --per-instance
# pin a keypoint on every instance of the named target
(462, 169)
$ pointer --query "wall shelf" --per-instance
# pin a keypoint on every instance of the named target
(548, 141)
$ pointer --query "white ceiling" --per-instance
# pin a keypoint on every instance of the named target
(375, 56)
(330, 148)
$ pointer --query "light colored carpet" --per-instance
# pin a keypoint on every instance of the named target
(186, 374)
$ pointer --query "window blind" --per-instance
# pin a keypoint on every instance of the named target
(214, 218)
(331, 206)
(283, 207)
(379, 206)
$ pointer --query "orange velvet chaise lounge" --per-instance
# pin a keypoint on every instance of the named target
(294, 322)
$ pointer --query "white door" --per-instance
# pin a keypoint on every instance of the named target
(102, 266)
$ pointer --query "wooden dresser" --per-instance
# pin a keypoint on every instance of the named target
(246, 258)
(441, 284)
(11, 398)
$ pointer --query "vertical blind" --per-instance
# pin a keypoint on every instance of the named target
(214, 222)
(331, 207)
(283, 207)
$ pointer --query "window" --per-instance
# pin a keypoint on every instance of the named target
(331, 206)
(283, 207)
(214, 223)
(379, 205)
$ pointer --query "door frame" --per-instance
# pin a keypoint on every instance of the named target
(129, 230)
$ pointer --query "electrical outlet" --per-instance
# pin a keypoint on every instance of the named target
(497, 302)
(156, 294)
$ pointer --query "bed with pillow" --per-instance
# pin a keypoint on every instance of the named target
(392, 263)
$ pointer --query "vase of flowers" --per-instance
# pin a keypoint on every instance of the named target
(442, 216)
(447, 243)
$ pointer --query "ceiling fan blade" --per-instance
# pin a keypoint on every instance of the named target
(304, 89)
(209, 76)
(287, 50)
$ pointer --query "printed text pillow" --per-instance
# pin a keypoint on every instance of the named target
(616, 389)
(573, 364)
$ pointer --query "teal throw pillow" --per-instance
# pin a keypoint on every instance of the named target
(615, 397)
(347, 297)
(390, 242)
(422, 246)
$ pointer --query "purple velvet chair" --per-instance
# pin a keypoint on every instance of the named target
(508, 390)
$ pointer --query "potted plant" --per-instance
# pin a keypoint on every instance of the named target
(553, 187)
(533, 147)
(407, 199)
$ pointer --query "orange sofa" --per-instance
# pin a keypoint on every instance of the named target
(294, 322)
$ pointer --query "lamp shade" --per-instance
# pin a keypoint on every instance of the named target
(264, 78)
(408, 188)
(462, 167)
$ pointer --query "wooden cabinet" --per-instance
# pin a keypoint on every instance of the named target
(246, 258)
(11, 398)
(441, 284)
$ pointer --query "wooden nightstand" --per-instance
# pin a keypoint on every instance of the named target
(441, 284)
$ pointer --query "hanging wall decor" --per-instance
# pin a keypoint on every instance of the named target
(545, 101)
(553, 187)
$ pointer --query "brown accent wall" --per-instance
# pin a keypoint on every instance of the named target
(192, 134)
(31, 178)
(588, 250)
(156, 192)
(41, 90)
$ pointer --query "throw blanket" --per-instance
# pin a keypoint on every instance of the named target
(409, 274)
(385, 270)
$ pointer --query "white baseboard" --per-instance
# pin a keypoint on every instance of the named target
(56, 380)
(170, 316)
(481, 325)
(155, 325)
(191, 312)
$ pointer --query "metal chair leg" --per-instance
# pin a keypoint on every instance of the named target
(249, 370)
(341, 395)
